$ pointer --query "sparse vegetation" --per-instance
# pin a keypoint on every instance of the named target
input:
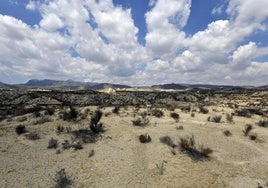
(248, 128)
(203, 110)
(160, 168)
(157, 113)
(52, 143)
(91, 153)
(141, 121)
(229, 118)
(60, 129)
(175, 116)
(243, 112)
(253, 136)
(227, 133)
(263, 123)
(216, 119)
(167, 140)
(179, 127)
(62, 180)
(145, 138)
(92, 133)
(187, 146)
(42, 120)
(20, 129)
(94, 125)
(50, 111)
(70, 115)
(116, 110)
(32, 136)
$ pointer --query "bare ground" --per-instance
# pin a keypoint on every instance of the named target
(120, 160)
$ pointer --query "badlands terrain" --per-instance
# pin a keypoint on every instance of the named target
(187, 138)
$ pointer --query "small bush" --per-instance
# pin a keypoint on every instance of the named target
(62, 180)
(77, 146)
(66, 144)
(42, 120)
(175, 116)
(50, 111)
(243, 113)
(116, 110)
(141, 122)
(253, 136)
(186, 109)
(263, 123)
(60, 129)
(85, 135)
(70, 114)
(21, 119)
(206, 151)
(91, 153)
(187, 146)
(145, 138)
(37, 114)
(94, 125)
(167, 140)
(192, 114)
(32, 136)
(227, 133)
(52, 143)
(229, 118)
(157, 113)
(216, 119)
(20, 129)
(203, 110)
(180, 127)
(248, 128)
(160, 168)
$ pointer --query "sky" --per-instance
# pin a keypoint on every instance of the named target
(135, 42)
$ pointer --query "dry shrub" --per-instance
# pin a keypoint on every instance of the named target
(94, 124)
(92, 133)
(167, 140)
(145, 138)
(62, 180)
(141, 121)
(157, 113)
(243, 113)
(20, 129)
(216, 119)
(227, 133)
(187, 146)
(70, 115)
(52, 143)
(60, 129)
(247, 129)
(32, 136)
(42, 120)
(203, 110)
(253, 136)
(263, 123)
(116, 110)
(175, 116)
(229, 118)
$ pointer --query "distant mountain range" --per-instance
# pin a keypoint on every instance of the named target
(74, 85)
(58, 84)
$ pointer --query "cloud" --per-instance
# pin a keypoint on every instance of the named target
(97, 41)
(51, 22)
(164, 36)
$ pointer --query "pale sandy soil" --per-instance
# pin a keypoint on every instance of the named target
(120, 160)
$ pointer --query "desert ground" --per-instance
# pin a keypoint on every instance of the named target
(114, 156)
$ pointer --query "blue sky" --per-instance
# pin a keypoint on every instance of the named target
(135, 42)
